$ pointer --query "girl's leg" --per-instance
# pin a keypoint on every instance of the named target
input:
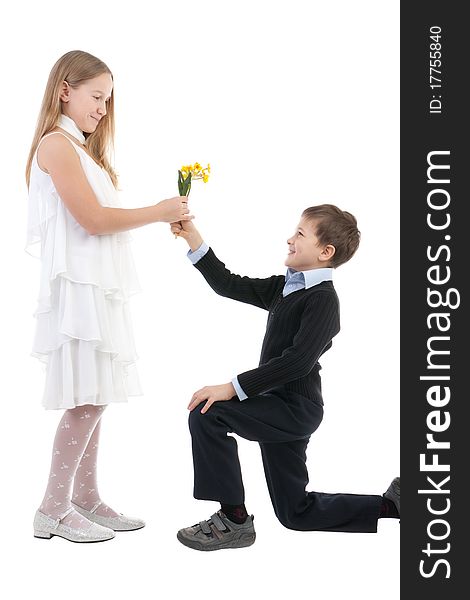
(73, 433)
(85, 485)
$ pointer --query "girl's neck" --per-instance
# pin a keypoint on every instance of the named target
(71, 127)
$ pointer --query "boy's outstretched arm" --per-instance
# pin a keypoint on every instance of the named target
(262, 294)
(256, 291)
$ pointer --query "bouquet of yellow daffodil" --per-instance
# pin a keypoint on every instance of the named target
(189, 173)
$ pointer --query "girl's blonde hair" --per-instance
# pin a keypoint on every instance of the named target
(76, 67)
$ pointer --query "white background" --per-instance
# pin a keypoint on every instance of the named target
(293, 104)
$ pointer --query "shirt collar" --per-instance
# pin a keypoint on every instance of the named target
(311, 277)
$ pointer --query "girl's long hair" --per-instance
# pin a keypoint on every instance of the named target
(76, 67)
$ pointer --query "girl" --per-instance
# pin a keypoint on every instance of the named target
(83, 328)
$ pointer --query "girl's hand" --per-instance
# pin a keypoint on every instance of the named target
(174, 209)
(212, 393)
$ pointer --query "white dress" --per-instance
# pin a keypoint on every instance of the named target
(83, 328)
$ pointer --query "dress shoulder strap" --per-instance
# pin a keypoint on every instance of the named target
(52, 133)
(35, 156)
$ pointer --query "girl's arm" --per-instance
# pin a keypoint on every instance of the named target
(63, 164)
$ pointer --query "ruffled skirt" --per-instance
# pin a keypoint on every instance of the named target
(84, 337)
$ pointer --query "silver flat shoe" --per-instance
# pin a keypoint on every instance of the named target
(119, 523)
(45, 527)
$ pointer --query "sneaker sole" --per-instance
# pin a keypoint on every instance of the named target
(242, 542)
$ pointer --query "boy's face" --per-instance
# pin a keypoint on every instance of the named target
(305, 253)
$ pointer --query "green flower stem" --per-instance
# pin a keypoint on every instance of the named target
(184, 185)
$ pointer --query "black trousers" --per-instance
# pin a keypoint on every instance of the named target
(282, 425)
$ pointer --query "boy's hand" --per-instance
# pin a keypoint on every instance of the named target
(212, 393)
(184, 229)
(188, 231)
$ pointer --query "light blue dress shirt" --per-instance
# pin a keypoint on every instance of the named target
(295, 280)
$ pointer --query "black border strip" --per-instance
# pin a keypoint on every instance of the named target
(433, 260)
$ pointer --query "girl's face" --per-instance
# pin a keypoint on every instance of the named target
(87, 104)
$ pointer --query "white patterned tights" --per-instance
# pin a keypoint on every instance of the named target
(73, 466)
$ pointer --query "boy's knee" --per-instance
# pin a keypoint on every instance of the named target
(286, 519)
(197, 420)
(201, 422)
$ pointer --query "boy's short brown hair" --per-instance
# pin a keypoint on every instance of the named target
(336, 227)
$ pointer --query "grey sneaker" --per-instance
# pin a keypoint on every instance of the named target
(393, 493)
(217, 533)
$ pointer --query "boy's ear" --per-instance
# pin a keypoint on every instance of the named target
(327, 253)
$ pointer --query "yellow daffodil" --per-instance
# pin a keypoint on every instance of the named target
(188, 173)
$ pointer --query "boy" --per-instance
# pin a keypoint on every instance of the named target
(279, 404)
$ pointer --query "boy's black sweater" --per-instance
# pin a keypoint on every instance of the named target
(299, 330)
